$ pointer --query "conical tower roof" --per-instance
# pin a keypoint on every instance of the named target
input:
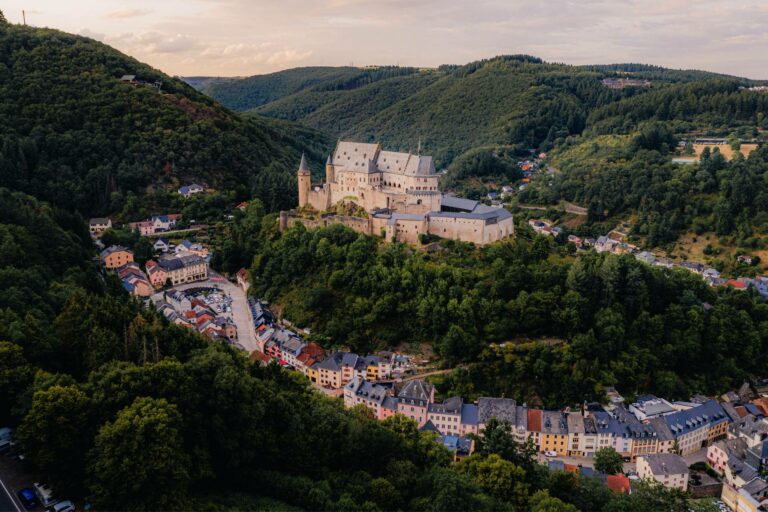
(330, 159)
(303, 166)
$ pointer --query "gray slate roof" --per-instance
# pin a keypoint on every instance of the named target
(503, 409)
(666, 464)
(417, 391)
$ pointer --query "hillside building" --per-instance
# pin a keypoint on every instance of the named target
(400, 196)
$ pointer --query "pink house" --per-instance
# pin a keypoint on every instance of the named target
(157, 274)
(414, 399)
(719, 453)
(144, 227)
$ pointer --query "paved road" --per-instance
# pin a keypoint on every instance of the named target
(241, 313)
(7, 501)
(566, 206)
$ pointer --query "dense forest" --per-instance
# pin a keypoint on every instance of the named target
(73, 133)
(254, 91)
(528, 320)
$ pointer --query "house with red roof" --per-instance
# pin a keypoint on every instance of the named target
(618, 483)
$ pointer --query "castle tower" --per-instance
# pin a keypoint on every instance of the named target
(329, 174)
(305, 181)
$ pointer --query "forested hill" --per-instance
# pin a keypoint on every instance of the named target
(515, 100)
(73, 133)
(254, 91)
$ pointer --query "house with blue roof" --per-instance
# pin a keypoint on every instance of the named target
(698, 427)
(190, 190)
(459, 446)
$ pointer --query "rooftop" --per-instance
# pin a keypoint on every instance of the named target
(666, 464)
(503, 409)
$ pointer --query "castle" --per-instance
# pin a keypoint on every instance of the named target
(399, 192)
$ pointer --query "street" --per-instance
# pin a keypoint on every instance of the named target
(241, 313)
(7, 503)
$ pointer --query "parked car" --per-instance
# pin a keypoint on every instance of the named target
(28, 498)
(5, 438)
(45, 493)
(550, 453)
(62, 506)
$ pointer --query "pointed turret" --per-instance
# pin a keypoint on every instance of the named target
(330, 175)
(303, 166)
(305, 181)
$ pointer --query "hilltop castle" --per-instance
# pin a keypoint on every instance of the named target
(400, 194)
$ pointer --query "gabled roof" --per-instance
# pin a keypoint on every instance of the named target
(430, 427)
(469, 414)
(416, 390)
(458, 203)
(666, 464)
(449, 406)
(112, 249)
(575, 422)
(534, 420)
(708, 413)
(618, 483)
(553, 422)
(390, 403)
(503, 409)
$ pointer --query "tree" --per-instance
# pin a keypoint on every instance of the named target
(498, 438)
(608, 460)
(143, 250)
(56, 434)
(453, 491)
(496, 476)
(16, 375)
(2, 18)
(139, 461)
(541, 501)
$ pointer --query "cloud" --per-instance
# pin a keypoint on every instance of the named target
(256, 36)
(121, 14)
(262, 56)
(155, 43)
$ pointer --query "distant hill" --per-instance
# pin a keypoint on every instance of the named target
(516, 100)
(72, 132)
(254, 91)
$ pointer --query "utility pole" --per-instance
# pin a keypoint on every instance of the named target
(24, 16)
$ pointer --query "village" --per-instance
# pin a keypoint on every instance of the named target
(680, 444)
(710, 446)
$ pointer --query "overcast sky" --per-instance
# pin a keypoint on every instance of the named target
(246, 37)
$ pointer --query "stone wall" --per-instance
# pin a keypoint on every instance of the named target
(359, 224)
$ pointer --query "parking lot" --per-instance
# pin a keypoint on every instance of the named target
(239, 310)
(14, 477)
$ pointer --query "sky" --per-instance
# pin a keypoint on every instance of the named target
(248, 37)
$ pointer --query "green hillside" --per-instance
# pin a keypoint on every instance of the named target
(516, 101)
(254, 91)
(73, 133)
(621, 167)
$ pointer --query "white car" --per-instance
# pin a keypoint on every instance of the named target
(45, 493)
(62, 506)
(550, 453)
